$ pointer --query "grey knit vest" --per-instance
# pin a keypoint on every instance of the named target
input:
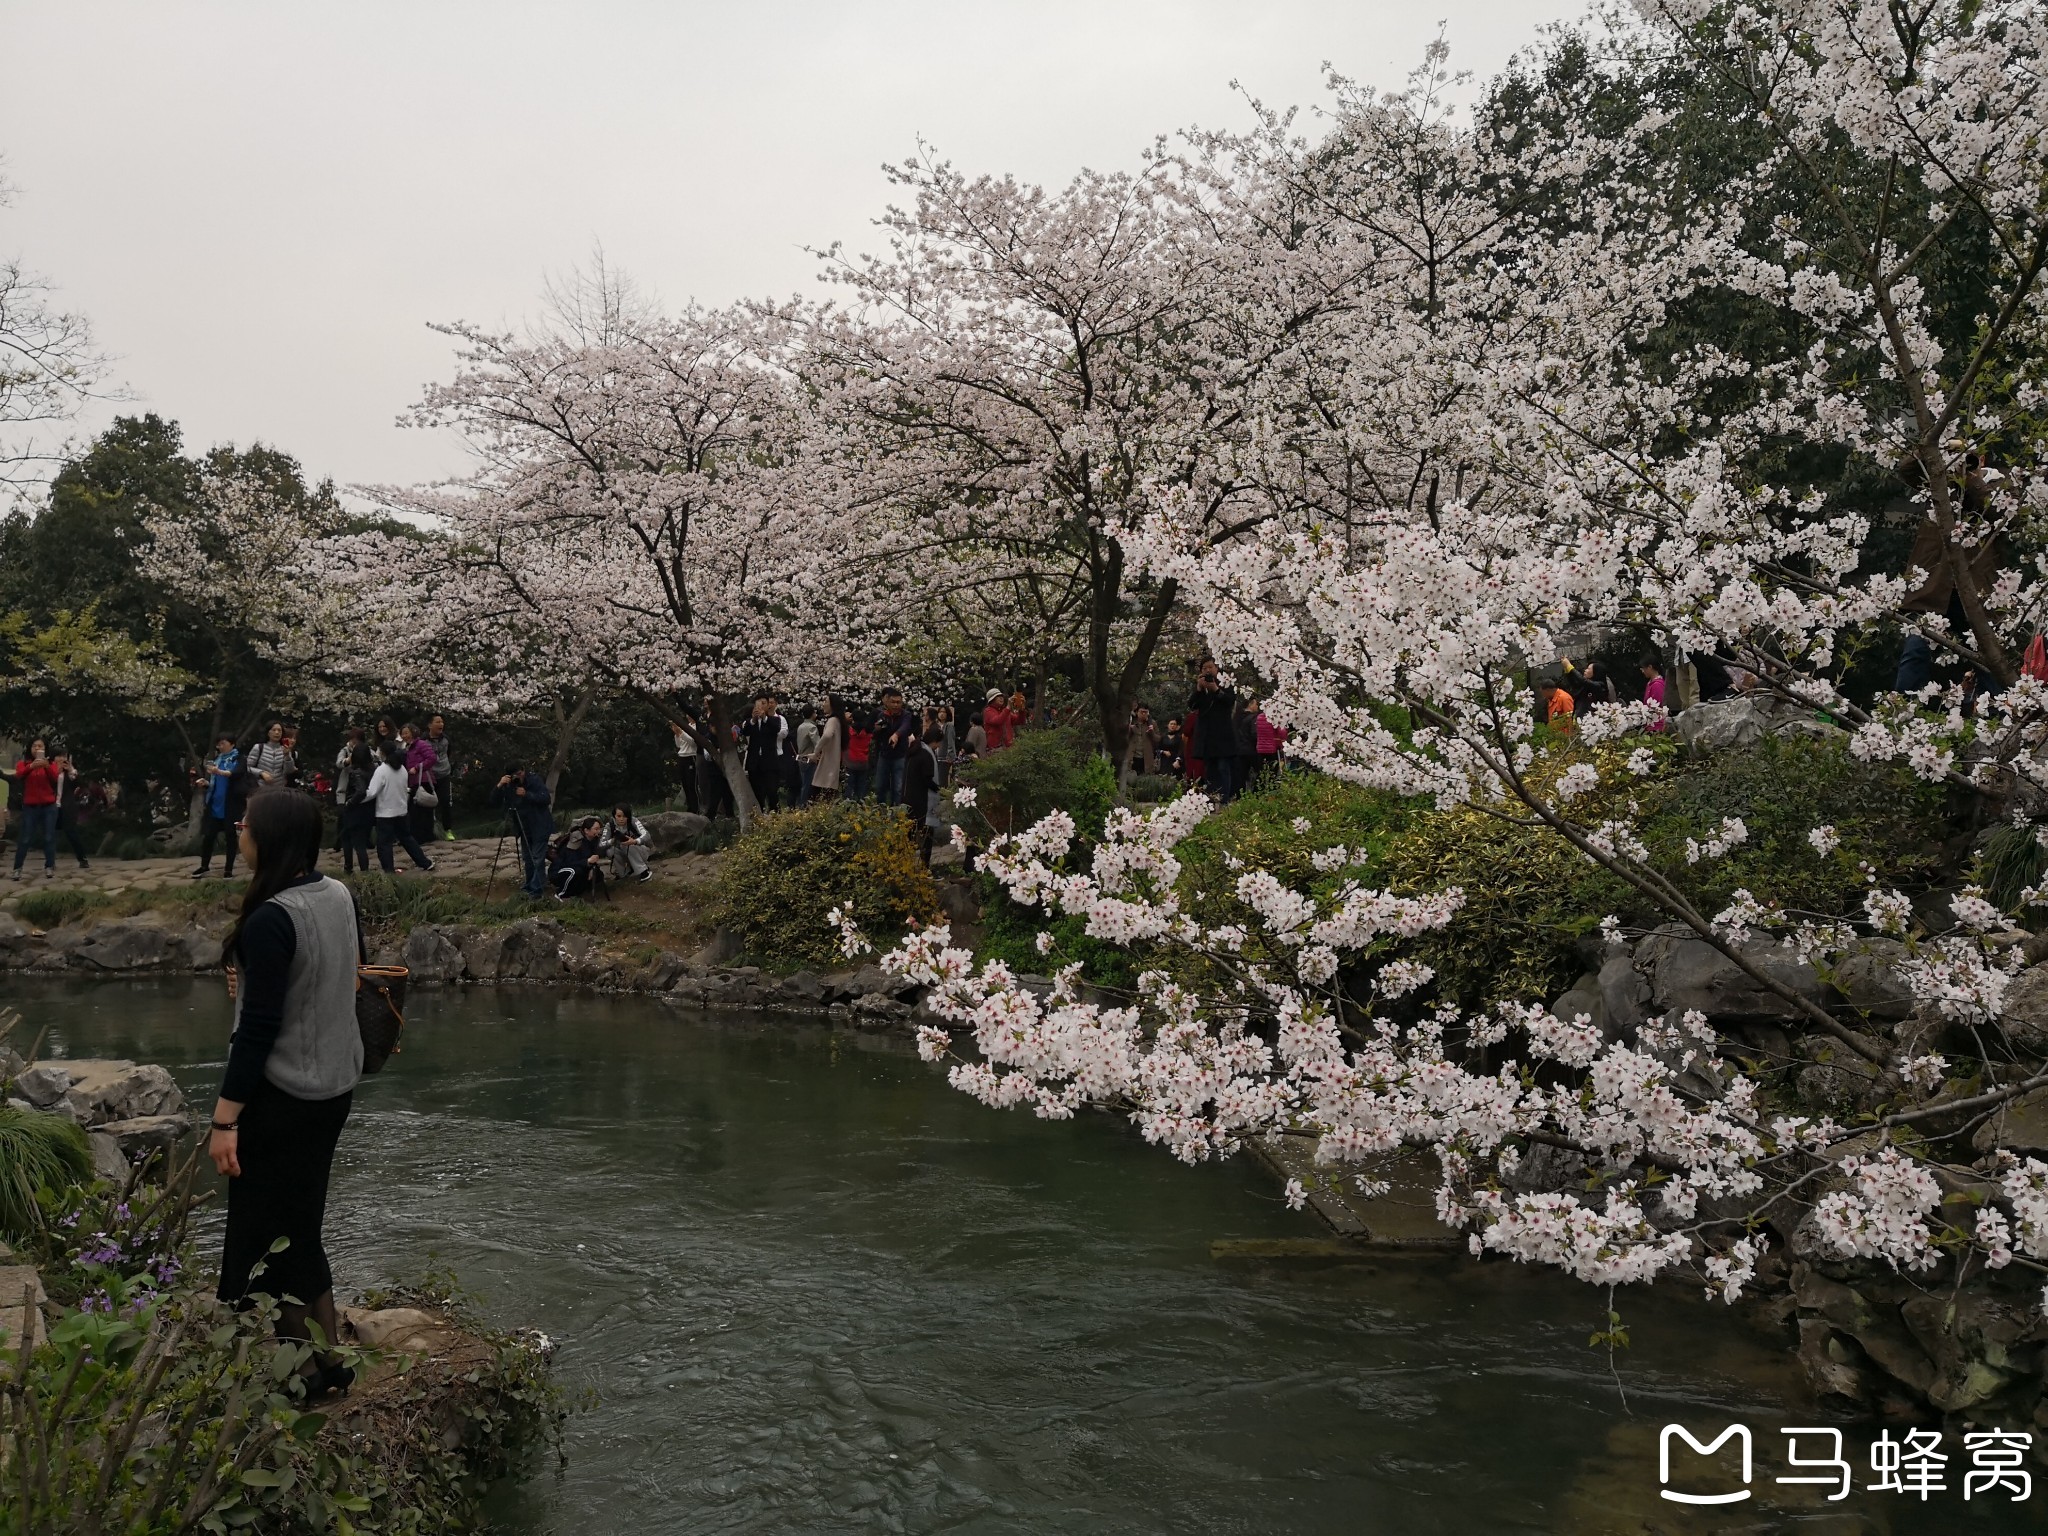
(319, 1051)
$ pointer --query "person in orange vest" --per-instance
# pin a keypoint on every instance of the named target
(1553, 705)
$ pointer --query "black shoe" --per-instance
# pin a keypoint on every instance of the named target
(328, 1381)
(646, 874)
(83, 865)
(198, 874)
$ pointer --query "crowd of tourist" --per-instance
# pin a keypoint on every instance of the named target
(390, 785)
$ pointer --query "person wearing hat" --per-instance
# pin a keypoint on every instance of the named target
(997, 722)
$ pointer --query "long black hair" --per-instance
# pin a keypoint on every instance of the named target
(286, 827)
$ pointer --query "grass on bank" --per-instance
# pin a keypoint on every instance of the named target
(389, 903)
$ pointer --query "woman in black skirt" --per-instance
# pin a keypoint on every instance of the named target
(292, 1069)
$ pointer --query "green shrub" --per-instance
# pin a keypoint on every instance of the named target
(1041, 771)
(52, 909)
(39, 1153)
(1257, 829)
(790, 869)
(1530, 897)
(1009, 933)
(1887, 817)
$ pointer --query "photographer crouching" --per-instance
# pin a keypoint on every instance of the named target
(523, 796)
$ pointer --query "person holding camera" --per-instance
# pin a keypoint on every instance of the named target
(576, 863)
(523, 796)
(625, 843)
(1212, 730)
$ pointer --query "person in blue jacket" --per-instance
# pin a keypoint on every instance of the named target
(524, 796)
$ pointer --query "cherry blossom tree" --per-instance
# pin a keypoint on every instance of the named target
(663, 504)
(238, 566)
(1504, 435)
(1027, 365)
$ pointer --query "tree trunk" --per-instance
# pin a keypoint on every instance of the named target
(195, 820)
(1116, 691)
(731, 764)
(567, 723)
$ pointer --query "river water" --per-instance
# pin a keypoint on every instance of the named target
(815, 1290)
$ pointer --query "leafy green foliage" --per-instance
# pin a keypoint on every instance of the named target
(1009, 933)
(38, 1152)
(792, 868)
(1531, 899)
(153, 1410)
(1258, 829)
(1782, 787)
(1040, 772)
(76, 562)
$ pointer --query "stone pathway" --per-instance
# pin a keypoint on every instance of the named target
(463, 859)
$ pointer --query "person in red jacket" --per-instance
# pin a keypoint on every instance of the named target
(997, 723)
(35, 786)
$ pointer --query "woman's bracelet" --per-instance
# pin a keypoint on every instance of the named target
(227, 1125)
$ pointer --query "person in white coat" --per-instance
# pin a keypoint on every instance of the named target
(391, 794)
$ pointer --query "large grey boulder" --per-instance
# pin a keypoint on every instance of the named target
(1687, 973)
(14, 940)
(870, 979)
(805, 988)
(140, 1136)
(60, 944)
(669, 830)
(875, 1011)
(1624, 997)
(1724, 723)
(957, 900)
(195, 949)
(529, 950)
(2025, 1020)
(2021, 1126)
(128, 944)
(96, 1092)
(108, 1161)
(1869, 978)
(1838, 1079)
(1581, 998)
(43, 1085)
(723, 949)
(433, 955)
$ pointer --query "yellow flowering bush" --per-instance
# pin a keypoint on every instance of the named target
(791, 868)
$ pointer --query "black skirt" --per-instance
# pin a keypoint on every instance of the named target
(287, 1151)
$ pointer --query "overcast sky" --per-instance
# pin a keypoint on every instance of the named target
(261, 206)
